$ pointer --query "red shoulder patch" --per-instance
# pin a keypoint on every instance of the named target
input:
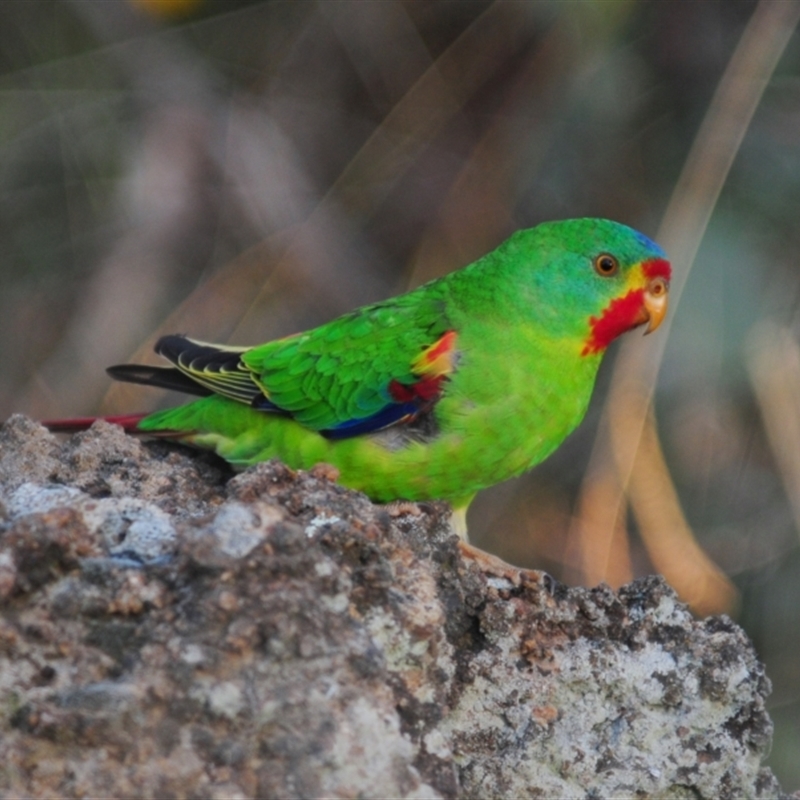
(422, 392)
(432, 365)
(438, 358)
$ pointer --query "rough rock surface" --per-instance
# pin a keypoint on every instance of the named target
(169, 630)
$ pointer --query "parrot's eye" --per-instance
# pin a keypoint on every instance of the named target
(606, 265)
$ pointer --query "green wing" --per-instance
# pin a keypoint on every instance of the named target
(378, 366)
(375, 365)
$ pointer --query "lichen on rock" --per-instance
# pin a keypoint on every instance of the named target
(170, 629)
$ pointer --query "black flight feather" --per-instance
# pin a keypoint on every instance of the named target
(164, 377)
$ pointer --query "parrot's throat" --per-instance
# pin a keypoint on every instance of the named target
(619, 316)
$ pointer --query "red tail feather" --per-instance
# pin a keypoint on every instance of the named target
(127, 421)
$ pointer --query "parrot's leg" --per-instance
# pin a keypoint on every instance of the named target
(458, 523)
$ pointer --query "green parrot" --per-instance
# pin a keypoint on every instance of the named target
(466, 381)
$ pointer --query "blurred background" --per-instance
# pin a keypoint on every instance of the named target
(241, 170)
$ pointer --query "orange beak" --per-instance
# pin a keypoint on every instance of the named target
(656, 296)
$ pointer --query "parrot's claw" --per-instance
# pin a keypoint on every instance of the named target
(492, 565)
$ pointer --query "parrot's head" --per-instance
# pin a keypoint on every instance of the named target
(594, 279)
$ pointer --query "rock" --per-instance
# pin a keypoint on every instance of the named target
(170, 630)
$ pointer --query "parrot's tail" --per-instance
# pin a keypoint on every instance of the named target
(129, 422)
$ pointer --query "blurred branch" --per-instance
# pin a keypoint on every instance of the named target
(773, 363)
(491, 41)
(669, 541)
(627, 421)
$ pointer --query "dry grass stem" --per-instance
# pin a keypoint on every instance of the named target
(644, 478)
(773, 363)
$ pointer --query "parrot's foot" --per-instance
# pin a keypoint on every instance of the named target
(492, 565)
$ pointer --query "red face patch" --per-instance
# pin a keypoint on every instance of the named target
(620, 315)
(657, 268)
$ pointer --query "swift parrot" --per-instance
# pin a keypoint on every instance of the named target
(468, 380)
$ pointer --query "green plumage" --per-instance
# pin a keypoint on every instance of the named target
(340, 371)
(514, 376)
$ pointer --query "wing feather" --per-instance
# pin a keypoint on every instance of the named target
(337, 378)
(382, 365)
